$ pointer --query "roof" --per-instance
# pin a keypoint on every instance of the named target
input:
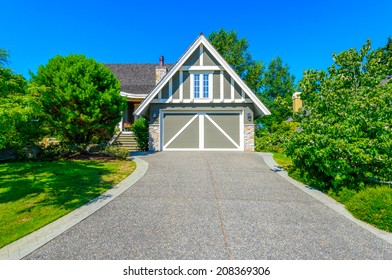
(135, 78)
(260, 108)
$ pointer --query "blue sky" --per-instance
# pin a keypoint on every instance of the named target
(303, 33)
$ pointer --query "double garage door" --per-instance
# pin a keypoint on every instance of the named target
(202, 131)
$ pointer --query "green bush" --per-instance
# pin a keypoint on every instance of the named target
(346, 136)
(55, 151)
(373, 205)
(140, 129)
(81, 98)
(113, 151)
(272, 139)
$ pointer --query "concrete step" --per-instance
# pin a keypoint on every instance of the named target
(126, 140)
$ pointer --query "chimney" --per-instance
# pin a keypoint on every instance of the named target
(297, 102)
(161, 70)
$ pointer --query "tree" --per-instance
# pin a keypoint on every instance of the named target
(346, 140)
(278, 85)
(20, 113)
(235, 52)
(3, 57)
(81, 97)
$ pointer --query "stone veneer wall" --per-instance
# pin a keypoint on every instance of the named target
(154, 145)
(249, 137)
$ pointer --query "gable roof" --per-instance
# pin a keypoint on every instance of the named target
(260, 108)
(136, 78)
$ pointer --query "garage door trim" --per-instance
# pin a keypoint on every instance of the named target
(201, 116)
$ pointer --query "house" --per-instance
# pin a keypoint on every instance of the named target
(199, 103)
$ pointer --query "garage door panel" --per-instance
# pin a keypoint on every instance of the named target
(214, 138)
(230, 123)
(188, 138)
(173, 123)
(201, 131)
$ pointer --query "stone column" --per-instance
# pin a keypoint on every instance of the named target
(249, 137)
(154, 136)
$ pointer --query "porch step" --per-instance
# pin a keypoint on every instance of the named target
(126, 140)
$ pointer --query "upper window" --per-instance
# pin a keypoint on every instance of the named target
(201, 85)
(197, 86)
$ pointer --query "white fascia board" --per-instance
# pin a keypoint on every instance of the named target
(139, 111)
(261, 109)
(133, 95)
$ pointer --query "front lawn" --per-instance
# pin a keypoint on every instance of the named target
(33, 194)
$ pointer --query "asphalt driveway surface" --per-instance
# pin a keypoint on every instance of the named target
(214, 205)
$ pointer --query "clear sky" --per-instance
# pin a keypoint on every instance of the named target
(303, 33)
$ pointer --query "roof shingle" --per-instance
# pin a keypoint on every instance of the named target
(136, 78)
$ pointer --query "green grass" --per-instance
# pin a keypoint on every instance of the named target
(33, 194)
(372, 204)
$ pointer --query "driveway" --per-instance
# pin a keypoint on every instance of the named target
(214, 205)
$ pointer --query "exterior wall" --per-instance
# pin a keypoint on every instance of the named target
(154, 136)
(208, 59)
(249, 137)
(216, 85)
(176, 86)
(194, 59)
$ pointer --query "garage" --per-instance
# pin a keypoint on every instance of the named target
(218, 131)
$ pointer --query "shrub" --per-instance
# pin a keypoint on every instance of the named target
(373, 205)
(346, 140)
(53, 151)
(81, 98)
(117, 152)
(273, 138)
(140, 129)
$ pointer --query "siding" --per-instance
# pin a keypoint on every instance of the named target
(209, 60)
(216, 85)
(194, 59)
(176, 86)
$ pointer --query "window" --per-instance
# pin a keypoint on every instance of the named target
(205, 85)
(197, 86)
(201, 85)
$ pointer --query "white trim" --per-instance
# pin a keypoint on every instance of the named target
(211, 86)
(180, 131)
(242, 130)
(201, 58)
(201, 115)
(181, 85)
(160, 94)
(201, 100)
(171, 88)
(223, 132)
(133, 95)
(222, 88)
(259, 107)
(231, 88)
(192, 91)
(201, 68)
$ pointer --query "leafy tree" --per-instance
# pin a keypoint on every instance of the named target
(81, 98)
(3, 57)
(20, 113)
(346, 140)
(235, 52)
(277, 90)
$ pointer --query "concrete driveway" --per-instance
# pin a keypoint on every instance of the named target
(214, 205)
